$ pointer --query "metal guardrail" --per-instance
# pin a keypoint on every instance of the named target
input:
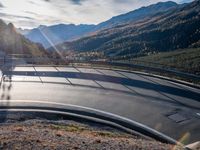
(158, 68)
(166, 69)
(146, 68)
(31, 60)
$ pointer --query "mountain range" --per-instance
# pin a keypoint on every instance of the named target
(175, 28)
(53, 35)
(137, 14)
(165, 26)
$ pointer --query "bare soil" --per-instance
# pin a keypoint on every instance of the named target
(63, 135)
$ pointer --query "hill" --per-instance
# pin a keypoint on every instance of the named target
(13, 43)
(137, 14)
(52, 35)
(174, 29)
(186, 60)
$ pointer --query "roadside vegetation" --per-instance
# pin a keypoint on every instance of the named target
(186, 60)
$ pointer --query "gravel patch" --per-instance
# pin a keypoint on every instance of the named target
(62, 135)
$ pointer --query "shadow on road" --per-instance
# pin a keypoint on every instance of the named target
(112, 79)
(5, 88)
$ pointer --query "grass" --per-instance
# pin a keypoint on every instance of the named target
(186, 60)
(79, 128)
(69, 128)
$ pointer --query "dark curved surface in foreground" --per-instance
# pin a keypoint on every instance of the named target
(165, 106)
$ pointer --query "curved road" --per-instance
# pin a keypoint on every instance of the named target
(165, 106)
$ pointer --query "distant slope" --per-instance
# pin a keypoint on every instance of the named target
(48, 35)
(138, 14)
(13, 43)
(187, 60)
(177, 28)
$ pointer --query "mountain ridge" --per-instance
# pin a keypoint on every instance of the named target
(52, 35)
(12, 42)
(69, 32)
(139, 13)
(165, 31)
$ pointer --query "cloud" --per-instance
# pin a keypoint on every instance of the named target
(77, 2)
(23, 21)
(32, 2)
(14, 16)
(29, 12)
(48, 12)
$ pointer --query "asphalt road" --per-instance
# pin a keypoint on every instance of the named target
(168, 107)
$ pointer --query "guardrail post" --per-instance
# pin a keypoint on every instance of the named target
(4, 60)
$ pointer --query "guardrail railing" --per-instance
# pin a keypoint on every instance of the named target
(146, 68)
(151, 68)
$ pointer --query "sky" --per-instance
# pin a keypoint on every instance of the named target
(32, 13)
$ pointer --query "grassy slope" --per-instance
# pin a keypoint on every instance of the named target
(187, 60)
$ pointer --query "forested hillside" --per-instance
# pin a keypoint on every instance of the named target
(13, 43)
(186, 60)
(175, 29)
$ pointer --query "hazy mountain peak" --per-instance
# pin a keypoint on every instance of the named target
(42, 26)
(55, 34)
(12, 42)
(2, 24)
(167, 3)
(11, 27)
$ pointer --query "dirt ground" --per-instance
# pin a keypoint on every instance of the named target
(63, 135)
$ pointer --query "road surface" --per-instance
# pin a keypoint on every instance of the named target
(165, 106)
